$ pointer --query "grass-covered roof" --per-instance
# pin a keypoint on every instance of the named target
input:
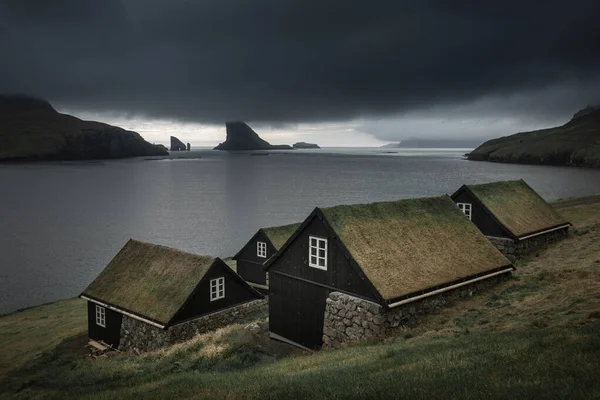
(517, 206)
(149, 280)
(407, 246)
(278, 235)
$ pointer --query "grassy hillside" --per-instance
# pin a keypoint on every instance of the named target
(537, 336)
(576, 143)
(26, 335)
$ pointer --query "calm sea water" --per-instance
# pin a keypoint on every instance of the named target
(61, 223)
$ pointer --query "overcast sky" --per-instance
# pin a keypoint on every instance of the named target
(332, 72)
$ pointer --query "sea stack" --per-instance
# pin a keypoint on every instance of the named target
(241, 137)
(177, 145)
(31, 129)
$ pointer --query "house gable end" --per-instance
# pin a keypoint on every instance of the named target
(487, 223)
(249, 264)
(248, 252)
(342, 272)
(291, 239)
(199, 303)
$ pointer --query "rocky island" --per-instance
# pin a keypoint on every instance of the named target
(241, 137)
(577, 143)
(178, 145)
(304, 145)
(31, 129)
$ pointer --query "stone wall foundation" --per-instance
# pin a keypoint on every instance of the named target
(349, 319)
(514, 250)
(139, 337)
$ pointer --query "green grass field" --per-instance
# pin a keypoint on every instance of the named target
(536, 336)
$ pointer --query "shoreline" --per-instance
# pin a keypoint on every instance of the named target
(559, 204)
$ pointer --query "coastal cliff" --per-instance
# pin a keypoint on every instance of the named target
(241, 137)
(31, 129)
(577, 143)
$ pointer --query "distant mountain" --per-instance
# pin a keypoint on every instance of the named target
(434, 144)
(304, 145)
(577, 143)
(31, 129)
(241, 137)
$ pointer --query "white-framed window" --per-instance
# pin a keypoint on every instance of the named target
(217, 289)
(100, 316)
(261, 249)
(466, 208)
(317, 252)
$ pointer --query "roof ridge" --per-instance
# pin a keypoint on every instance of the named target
(410, 199)
(496, 182)
(281, 226)
(173, 249)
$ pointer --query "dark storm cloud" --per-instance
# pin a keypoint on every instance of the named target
(287, 61)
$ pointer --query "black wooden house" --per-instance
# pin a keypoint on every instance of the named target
(162, 287)
(262, 246)
(383, 252)
(509, 209)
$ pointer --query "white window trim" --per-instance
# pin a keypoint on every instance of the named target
(261, 249)
(100, 316)
(310, 255)
(466, 208)
(217, 288)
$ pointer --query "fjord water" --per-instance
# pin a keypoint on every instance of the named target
(61, 223)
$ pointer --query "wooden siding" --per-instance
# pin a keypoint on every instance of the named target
(297, 310)
(340, 274)
(251, 272)
(297, 292)
(111, 333)
(479, 216)
(236, 292)
(249, 264)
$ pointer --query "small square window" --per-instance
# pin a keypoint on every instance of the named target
(465, 208)
(261, 249)
(317, 253)
(217, 289)
(100, 316)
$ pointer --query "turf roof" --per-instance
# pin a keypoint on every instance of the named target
(278, 235)
(408, 246)
(517, 206)
(149, 280)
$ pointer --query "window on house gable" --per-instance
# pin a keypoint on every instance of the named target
(100, 316)
(217, 289)
(317, 252)
(261, 249)
(466, 208)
